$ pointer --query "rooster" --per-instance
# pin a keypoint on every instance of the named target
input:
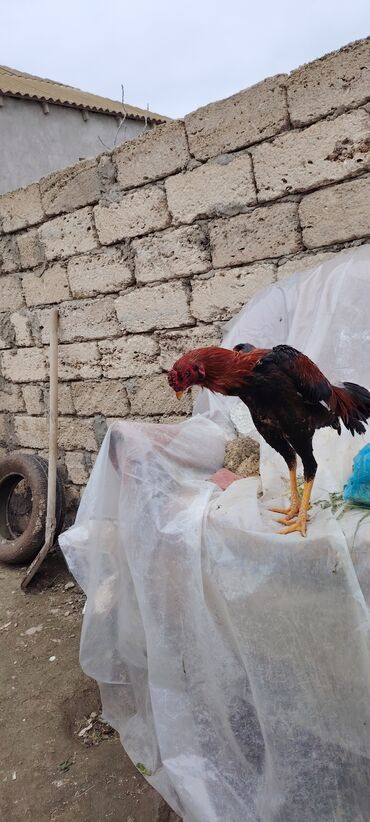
(288, 398)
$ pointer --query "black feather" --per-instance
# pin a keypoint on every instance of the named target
(359, 393)
(244, 347)
(361, 397)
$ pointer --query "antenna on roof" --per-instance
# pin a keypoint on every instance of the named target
(124, 115)
(121, 123)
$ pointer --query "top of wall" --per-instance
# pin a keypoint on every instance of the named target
(19, 84)
(330, 85)
(325, 88)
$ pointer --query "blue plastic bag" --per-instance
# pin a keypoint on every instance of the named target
(357, 489)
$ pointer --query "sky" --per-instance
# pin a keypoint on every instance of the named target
(176, 56)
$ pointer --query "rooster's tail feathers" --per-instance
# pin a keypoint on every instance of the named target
(351, 402)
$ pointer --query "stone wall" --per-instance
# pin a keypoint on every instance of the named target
(148, 250)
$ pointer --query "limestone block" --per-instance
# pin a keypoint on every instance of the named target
(221, 296)
(33, 396)
(173, 344)
(77, 467)
(159, 306)
(100, 273)
(153, 395)
(170, 254)
(79, 361)
(301, 264)
(65, 400)
(127, 357)
(245, 118)
(36, 399)
(43, 287)
(68, 235)
(70, 188)
(11, 296)
(4, 429)
(137, 213)
(211, 189)
(21, 208)
(11, 399)
(29, 249)
(265, 232)
(320, 154)
(7, 335)
(100, 397)
(336, 214)
(24, 365)
(9, 255)
(25, 327)
(159, 152)
(30, 432)
(82, 320)
(74, 432)
(340, 79)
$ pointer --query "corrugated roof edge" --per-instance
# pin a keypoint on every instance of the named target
(18, 84)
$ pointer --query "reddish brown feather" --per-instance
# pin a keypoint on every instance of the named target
(308, 372)
(225, 370)
(342, 404)
(338, 399)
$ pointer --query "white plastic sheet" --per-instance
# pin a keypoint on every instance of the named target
(235, 661)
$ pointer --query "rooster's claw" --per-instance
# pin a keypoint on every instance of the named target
(299, 525)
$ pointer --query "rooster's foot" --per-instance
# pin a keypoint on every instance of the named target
(289, 513)
(300, 525)
(289, 520)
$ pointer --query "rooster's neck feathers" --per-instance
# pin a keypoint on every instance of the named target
(225, 370)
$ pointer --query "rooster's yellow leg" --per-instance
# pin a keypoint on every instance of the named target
(300, 523)
(291, 512)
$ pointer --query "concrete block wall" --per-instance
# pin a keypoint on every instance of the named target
(148, 250)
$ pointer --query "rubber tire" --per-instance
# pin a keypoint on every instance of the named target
(34, 470)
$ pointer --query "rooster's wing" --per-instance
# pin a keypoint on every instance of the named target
(309, 381)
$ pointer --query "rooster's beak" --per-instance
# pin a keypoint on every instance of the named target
(179, 394)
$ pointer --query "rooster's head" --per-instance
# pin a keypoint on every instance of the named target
(186, 372)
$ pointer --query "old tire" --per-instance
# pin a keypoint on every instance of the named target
(21, 547)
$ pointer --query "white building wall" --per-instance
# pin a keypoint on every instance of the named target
(33, 144)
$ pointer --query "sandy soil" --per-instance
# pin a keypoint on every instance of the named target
(58, 761)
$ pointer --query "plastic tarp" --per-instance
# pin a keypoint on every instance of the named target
(234, 661)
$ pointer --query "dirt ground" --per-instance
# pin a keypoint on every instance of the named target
(58, 761)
